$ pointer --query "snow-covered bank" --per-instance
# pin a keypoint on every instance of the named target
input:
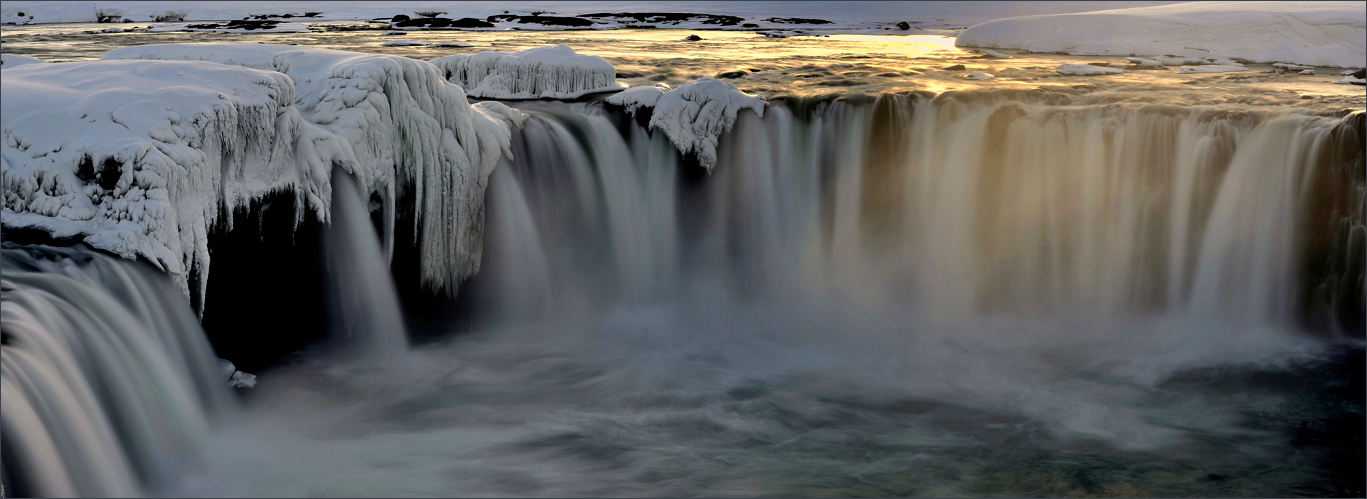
(12, 60)
(138, 157)
(1313, 33)
(693, 116)
(540, 73)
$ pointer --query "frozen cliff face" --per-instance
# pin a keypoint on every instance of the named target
(139, 157)
(414, 135)
(694, 115)
(540, 73)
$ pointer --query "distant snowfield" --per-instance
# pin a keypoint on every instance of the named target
(1313, 33)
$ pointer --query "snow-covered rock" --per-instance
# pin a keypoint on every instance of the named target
(978, 75)
(1212, 68)
(1290, 67)
(452, 44)
(140, 157)
(695, 115)
(993, 54)
(413, 134)
(1087, 70)
(540, 73)
(11, 60)
(394, 32)
(636, 98)
(1313, 32)
(404, 43)
(241, 26)
(236, 378)
(1307, 72)
(1146, 63)
(1350, 80)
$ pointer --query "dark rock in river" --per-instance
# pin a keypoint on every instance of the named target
(692, 38)
(956, 67)
(903, 26)
(730, 74)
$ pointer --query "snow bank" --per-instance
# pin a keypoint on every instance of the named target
(1088, 70)
(1313, 33)
(140, 157)
(694, 115)
(1213, 68)
(636, 98)
(11, 60)
(413, 134)
(540, 73)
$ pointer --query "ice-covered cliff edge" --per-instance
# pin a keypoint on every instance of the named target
(414, 136)
(1314, 33)
(540, 73)
(694, 115)
(137, 157)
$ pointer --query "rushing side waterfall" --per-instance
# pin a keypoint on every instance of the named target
(953, 206)
(364, 306)
(108, 380)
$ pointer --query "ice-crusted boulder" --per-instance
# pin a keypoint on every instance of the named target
(1313, 33)
(414, 136)
(694, 115)
(1087, 70)
(138, 157)
(540, 73)
(11, 60)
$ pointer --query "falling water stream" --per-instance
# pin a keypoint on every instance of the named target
(975, 293)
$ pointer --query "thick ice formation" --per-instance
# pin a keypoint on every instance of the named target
(139, 157)
(694, 115)
(1088, 70)
(635, 98)
(1314, 33)
(540, 73)
(12, 60)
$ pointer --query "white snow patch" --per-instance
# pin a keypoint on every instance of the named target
(11, 60)
(1290, 67)
(1214, 68)
(1307, 72)
(1315, 33)
(636, 98)
(1349, 80)
(140, 157)
(404, 43)
(545, 72)
(412, 133)
(1147, 63)
(978, 75)
(112, 30)
(1087, 70)
(694, 115)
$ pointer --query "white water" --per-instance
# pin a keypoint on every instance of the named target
(108, 379)
(902, 297)
(364, 308)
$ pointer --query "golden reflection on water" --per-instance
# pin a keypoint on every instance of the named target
(802, 66)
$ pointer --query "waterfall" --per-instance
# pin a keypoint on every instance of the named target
(108, 379)
(958, 205)
(364, 305)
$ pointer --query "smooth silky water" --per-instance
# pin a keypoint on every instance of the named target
(1028, 287)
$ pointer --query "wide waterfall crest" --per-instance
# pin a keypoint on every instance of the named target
(107, 378)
